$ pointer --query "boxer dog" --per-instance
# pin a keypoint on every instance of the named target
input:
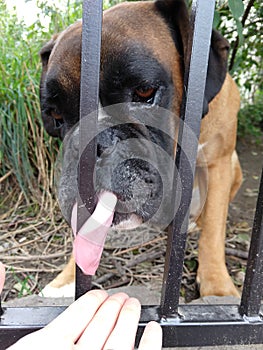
(142, 64)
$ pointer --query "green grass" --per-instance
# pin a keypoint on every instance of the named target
(26, 150)
(23, 285)
(20, 119)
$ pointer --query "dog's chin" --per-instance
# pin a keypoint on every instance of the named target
(126, 221)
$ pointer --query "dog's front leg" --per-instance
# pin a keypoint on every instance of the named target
(212, 272)
(64, 284)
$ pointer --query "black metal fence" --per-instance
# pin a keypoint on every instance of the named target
(183, 325)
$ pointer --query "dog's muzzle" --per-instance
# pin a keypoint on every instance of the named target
(132, 162)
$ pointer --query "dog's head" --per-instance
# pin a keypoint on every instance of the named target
(142, 70)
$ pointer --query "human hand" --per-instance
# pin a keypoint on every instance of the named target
(95, 322)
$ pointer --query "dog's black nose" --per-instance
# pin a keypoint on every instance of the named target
(138, 186)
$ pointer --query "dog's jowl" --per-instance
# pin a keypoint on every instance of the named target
(141, 85)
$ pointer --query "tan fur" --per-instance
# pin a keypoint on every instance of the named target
(67, 276)
(63, 61)
(218, 135)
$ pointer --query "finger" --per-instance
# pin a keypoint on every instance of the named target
(152, 337)
(103, 323)
(2, 276)
(123, 334)
(41, 340)
(74, 320)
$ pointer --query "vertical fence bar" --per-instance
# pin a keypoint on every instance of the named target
(89, 99)
(194, 82)
(1, 310)
(253, 285)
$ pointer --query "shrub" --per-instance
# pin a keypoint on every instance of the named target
(250, 119)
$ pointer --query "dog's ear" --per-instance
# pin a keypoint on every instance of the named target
(46, 50)
(217, 68)
(50, 124)
(176, 14)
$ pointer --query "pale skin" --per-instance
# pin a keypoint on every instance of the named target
(95, 321)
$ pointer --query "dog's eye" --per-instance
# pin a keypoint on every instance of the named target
(58, 123)
(144, 95)
(55, 114)
(58, 119)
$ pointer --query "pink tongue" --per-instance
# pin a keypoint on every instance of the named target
(89, 242)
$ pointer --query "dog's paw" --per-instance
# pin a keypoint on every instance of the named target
(216, 283)
(66, 291)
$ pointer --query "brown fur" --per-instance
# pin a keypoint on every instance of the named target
(218, 131)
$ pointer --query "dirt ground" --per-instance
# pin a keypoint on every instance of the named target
(36, 249)
(251, 157)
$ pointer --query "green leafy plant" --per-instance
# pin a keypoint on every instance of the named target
(250, 121)
(241, 22)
